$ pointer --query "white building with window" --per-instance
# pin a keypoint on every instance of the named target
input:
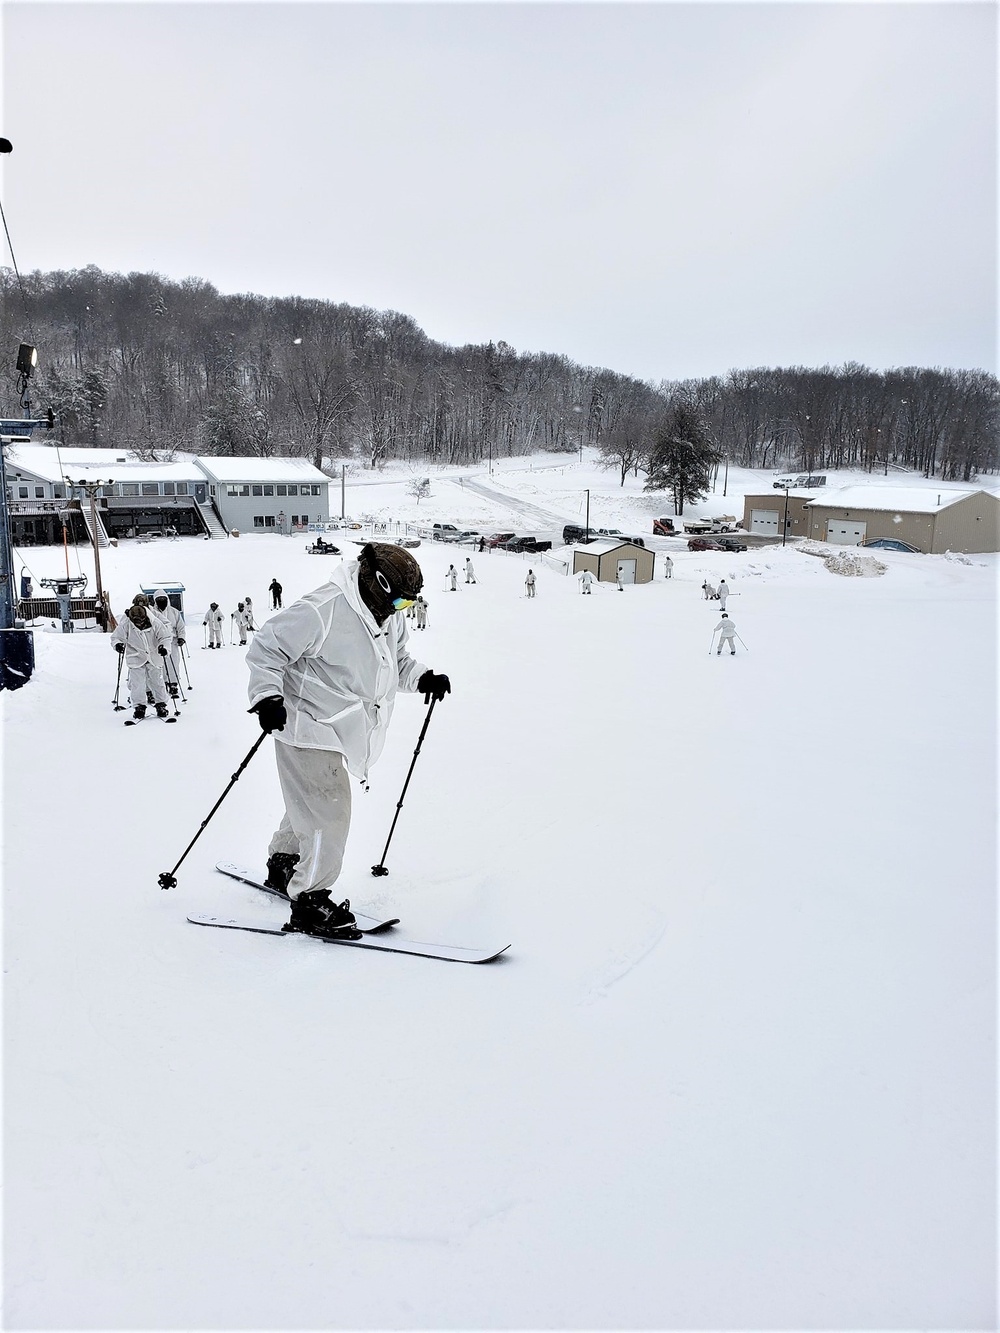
(266, 494)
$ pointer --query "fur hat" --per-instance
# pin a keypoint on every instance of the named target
(140, 599)
(384, 573)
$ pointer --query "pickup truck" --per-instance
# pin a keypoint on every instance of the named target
(701, 526)
(444, 532)
(526, 544)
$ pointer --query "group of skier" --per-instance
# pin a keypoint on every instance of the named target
(214, 622)
(150, 637)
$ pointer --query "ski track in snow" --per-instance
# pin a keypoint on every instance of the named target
(625, 958)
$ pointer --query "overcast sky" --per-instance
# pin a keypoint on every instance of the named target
(669, 190)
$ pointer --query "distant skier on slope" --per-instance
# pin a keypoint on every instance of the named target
(274, 588)
(470, 573)
(214, 619)
(668, 567)
(452, 577)
(145, 641)
(726, 630)
(324, 674)
(722, 592)
(420, 612)
(586, 581)
(242, 621)
(529, 584)
(710, 594)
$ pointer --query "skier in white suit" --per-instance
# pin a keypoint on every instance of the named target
(323, 677)
(726, 630)
(174, 622)
(145, 642)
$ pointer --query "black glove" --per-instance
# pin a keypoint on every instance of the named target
(119, 647)
(162, 651)
(271, 713)
(432, 686)
(181, 643)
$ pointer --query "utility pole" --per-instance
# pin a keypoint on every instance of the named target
(587, 522)
(343, 489)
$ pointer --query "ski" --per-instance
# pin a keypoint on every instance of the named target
(134, 721)
(368, 924)
(451, 953)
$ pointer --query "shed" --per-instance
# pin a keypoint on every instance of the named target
(604, 559)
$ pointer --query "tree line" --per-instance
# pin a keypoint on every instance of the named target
(142, 362)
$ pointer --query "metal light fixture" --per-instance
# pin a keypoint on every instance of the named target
(27, 360)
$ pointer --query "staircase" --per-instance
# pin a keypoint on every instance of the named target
(102, 533)
(211, 520)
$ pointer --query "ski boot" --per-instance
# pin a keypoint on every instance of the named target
(140, 712)
(315, 913)
(149, 697)
(162, 710)
(280, 868)
(172, 688)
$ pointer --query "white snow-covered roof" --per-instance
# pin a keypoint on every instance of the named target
(230, 469)
(53, 464)
(603, 546)
(895, 499)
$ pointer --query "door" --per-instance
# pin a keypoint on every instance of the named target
(626, 571)
(200, 492)
(845, 531)
(765, 521)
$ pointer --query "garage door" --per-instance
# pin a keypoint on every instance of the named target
(846, 531)
(765, 521)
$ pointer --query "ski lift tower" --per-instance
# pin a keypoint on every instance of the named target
(17, 645)
(64, 589)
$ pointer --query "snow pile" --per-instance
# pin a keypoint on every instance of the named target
(859, 566)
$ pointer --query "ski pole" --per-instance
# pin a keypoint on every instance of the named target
(185, 665)
(173, 680)
(167, 880)
(746, 649)
(712, 644)
(204, 633)
(119, 708)
(232, 622)
(380, 869)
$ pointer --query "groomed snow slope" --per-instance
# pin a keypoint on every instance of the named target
(736, 1070)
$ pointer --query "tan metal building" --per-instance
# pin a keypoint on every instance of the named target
(764, 514)
(932, 520)
(604, 559)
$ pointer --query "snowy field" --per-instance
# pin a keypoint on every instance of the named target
(737, 1068)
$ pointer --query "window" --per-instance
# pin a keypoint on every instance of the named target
(268, 490)
(268, 520)
(130, 488)
(281, 490)
(22, 492)
(150, 488)
(60, 492)
(182, 488)
(258, 520)
(39, 492)
(257, 490)
(293, 490)
(304, 520)
(168, 488)
(315, 490)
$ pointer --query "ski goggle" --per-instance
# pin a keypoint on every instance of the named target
(398, 603)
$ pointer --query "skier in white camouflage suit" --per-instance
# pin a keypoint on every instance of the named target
(174, 622)
(145, 641)
(323, 677)
(214, 619)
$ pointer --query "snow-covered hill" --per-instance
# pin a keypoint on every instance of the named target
(735, 1069)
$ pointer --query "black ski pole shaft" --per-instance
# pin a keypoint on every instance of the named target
(170, 681)
(119, 708)
(744, 645)
(187, 673)
(167, 880)
(380, 869)
(177, 677)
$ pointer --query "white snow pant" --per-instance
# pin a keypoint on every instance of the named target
(214, 634)
(141, 678)
(317, 791)
(724, 639)
(722, 599)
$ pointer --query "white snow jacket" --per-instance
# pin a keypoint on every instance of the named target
(336, 670)
(727, 628)
(171, 617)
(141, 645)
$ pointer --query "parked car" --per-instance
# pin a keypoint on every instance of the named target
(635, 541)
(520, 544)
(499, 538)
(891, 544)
(408, 541)
(705, 544)
(611, 532)
(664, 527)
(444, 532)
(731, 544)
(469, 536)
(806, 479)
(572, 532)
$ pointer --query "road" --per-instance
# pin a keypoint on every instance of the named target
(533, 516)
